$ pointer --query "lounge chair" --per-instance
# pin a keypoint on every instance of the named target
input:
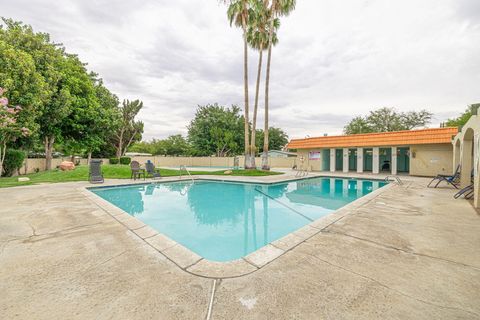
(467, 192)
(386, 165)
(95, 173)
(152, 171)
(450, 179)
(136, 170)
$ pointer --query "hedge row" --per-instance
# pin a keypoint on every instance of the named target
(122, 160)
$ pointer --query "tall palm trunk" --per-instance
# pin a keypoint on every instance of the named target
(253, 148)
(265, 165)
(248, 159)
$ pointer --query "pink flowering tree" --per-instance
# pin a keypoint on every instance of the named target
(10, 130)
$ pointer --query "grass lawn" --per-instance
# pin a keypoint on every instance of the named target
(112, 172)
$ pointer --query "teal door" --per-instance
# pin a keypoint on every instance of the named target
(367, 159)
(326, 159)
(352, 159)
(339, 159)
(403, 160)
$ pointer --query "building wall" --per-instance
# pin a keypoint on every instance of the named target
(32, 165)
(312, 165)
(273, 154)
(430, 160)
(38, 164)
(467, 154)
(161, 161)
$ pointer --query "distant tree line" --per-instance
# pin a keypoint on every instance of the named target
(63, 105)
(387, 120)
(463, 118)
(215, 130)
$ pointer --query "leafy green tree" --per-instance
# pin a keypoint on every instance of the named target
(92, 119)
(174, 145)
(106, 118)
(53, 65)
(215, 130)
(79, 127)
(22, 82)
(387, 120)
(129, 130)
(463, 118)
(358, 125)
(277, 139)
(10, 129)
(277, 8)
(69, 105)
(147, 147)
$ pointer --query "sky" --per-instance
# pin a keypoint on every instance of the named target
(335, 59)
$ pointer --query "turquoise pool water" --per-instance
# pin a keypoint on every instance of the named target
(223, 221)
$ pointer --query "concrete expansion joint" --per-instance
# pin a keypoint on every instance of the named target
(390, 288)
(153, 235)
(105, 261)
(212, 298)
(253, 264)
(402, 250)
(191, 265)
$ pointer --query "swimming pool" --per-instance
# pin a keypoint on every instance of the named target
(223, 221)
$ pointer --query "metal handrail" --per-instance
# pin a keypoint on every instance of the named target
(185, 168)
(301, 173)
(397, 179)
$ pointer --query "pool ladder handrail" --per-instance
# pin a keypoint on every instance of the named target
(394, 178)
(188, 172)
(301, 173)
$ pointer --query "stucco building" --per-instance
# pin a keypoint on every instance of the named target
(425, 152)
(466, 146)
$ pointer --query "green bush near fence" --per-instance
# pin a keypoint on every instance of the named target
(113, 160)
(125, 160)
(13, 162)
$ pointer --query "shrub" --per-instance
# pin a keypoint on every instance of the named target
(113, 160)
(13, 161)
(125, 160)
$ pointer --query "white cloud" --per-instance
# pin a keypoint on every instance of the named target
(335, 59)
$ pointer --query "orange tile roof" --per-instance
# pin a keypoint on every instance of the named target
(396, 138)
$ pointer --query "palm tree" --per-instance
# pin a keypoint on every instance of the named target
(277, 8)
(238, 14)
(257, 37)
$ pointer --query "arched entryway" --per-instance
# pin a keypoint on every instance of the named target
(456, 152)
(466, 155)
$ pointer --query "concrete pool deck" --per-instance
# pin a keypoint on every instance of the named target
(408, 253)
